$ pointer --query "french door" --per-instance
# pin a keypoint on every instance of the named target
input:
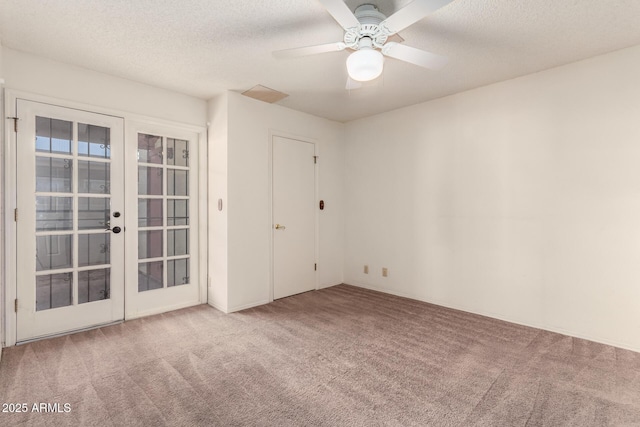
(70, 204)
(105, 220)
(162, 209)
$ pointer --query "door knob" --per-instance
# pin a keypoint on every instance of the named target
(280, 227)
(116, 229)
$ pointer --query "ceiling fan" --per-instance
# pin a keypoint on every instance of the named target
(366, 33)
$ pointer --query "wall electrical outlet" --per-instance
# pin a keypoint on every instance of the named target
(366, 269)
(385, 272)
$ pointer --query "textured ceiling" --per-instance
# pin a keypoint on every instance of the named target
(204, 47)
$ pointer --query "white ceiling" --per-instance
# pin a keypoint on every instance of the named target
(205, 47)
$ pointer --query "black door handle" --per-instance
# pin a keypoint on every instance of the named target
(116, 229)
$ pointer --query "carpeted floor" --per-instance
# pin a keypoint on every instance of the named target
(342, 356)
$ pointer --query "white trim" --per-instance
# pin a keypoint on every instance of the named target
(316, 210)
(247, 306)
(10, 202)
(73, 331)
(272, 133)
(203, 214)
(329, 286)
(29, 96)
(165, 309)
(3, 126)
(221, 308)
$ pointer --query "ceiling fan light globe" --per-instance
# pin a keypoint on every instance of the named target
(365, 64)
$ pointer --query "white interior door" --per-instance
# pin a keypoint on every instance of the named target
(162, 273)
(70, 211)
(294, 262)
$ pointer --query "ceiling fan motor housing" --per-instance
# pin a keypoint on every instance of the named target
(370, 18)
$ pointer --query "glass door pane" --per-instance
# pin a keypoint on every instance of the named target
(54, 213)
(166, 240)
(66, 185)
(163, 213)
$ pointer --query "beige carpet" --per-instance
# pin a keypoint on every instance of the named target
(342, 356)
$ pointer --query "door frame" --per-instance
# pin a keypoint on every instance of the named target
(10, 174)
(282, 134)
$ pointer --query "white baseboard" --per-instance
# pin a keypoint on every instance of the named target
(219, 307)
(246, 306)
(161, 310)
(498, 317)
(325, 286)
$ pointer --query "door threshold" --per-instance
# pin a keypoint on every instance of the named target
(74, 331)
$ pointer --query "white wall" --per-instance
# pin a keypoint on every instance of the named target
(519, 200)
(249, 123)
(45, 77)
(218, 223)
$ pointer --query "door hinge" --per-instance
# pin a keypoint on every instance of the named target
(15, 214)
(15, 123)
(15, 305)
(315, 159)
(315, 267)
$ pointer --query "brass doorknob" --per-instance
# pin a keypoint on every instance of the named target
(280, 227)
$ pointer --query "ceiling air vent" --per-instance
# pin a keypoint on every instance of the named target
(265, 94)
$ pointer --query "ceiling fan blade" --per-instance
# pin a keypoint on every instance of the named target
(414, 56)
(352, 84)
(309, 50)
(411, 13)
(341, 13)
